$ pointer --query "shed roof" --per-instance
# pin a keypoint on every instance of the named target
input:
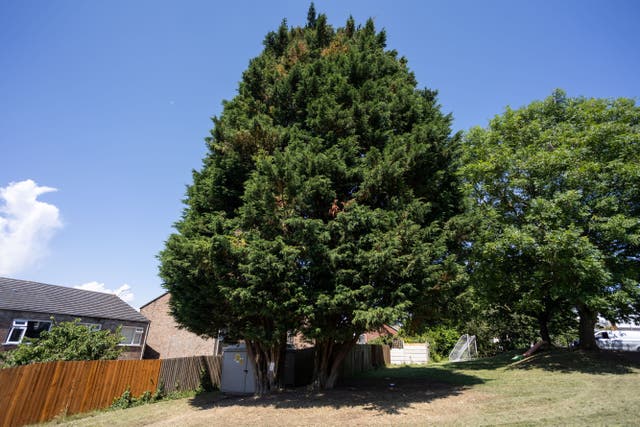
(23, 295)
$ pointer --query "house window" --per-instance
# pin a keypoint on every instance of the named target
(26, 328)
(131, 335)
(93, 327)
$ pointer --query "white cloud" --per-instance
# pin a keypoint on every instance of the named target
(124, 291)
(26, 225)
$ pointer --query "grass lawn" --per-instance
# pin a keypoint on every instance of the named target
(553, 388)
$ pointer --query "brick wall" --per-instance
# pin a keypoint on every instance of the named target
(299, 342)
(7, 317)
(166, 340)
(383, 331)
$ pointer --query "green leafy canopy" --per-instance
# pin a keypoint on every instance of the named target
(554, 188)
(67, 341)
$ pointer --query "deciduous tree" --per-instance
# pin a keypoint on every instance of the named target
(555, 190)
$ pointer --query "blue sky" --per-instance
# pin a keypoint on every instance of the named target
(104, 105)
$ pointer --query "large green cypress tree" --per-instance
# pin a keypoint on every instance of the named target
(321, 202)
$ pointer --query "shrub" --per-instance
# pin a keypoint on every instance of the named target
(382, 340)
(441, 341)
(66, 341)
(126, 400)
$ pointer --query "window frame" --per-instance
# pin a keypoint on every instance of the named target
(22, 324)
(138, 332)
(93, 327)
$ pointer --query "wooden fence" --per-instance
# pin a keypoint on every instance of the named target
(298, 367)
(43, 391)
(188, 373)
(380, 356)
(365, 357)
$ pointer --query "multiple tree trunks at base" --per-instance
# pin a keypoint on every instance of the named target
(268, 365)
(329, 358)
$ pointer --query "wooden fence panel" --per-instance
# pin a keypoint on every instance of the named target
(380, 356)
(386, 351)
(180, 374)
(304, 361)
(214, 366)
(42, 391)
(185, 373)
(362, 358)
(9, 378)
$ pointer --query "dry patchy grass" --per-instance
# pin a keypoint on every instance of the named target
(555, 388)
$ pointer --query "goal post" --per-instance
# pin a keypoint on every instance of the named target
(465, 349)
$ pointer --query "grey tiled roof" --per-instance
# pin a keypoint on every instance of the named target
(22, 295)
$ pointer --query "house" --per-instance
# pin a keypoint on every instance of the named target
(383, 331)
(26, 309)
(166, 339)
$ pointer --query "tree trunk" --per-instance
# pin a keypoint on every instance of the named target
(324, 349)
(266, 360)
(342, 351)
(588, 318)
(543, 322)
(329, 358)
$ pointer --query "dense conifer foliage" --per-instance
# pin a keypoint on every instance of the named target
(321, 203)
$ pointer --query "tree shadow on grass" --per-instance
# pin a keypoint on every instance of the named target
(558, 360)
(599, 362)
(485, 363)
(387, 391)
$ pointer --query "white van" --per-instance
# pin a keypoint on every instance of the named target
(618, 340)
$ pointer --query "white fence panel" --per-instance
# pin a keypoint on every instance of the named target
(410, 354)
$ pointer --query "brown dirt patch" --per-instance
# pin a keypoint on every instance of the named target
(358, 402)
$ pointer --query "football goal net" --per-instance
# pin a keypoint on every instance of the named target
(465, 349)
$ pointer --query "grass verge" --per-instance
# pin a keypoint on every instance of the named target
(553, 388)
